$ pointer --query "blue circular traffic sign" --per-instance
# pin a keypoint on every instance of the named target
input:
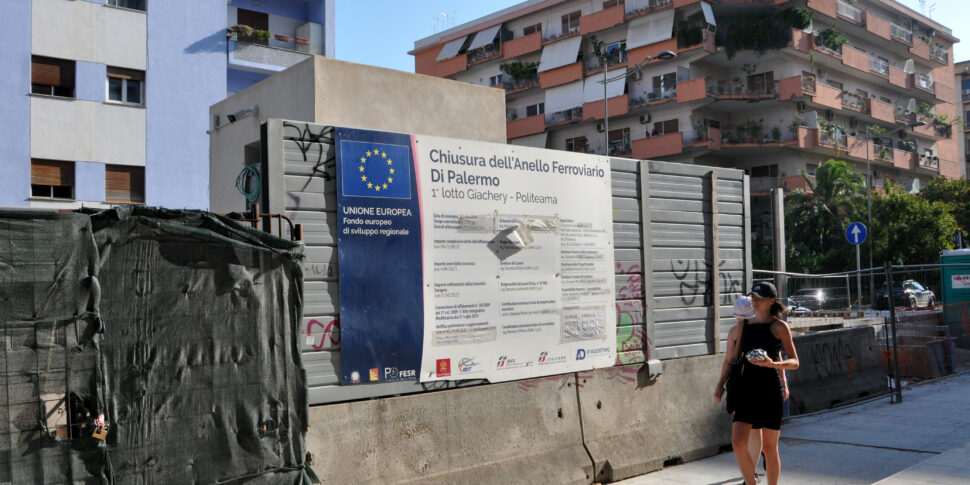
(856, 233)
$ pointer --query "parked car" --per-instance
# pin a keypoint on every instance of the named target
(815, 299)
(793, 307)
(908, 293)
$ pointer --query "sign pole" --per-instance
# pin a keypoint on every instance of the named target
(856, 234)
(858, 276)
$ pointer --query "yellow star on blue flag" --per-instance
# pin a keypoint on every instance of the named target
(375, 170)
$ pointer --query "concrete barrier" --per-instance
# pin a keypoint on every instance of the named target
(516, 432)
(836, 366)
(631, 428)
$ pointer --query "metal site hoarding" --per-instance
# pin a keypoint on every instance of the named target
(471, 260)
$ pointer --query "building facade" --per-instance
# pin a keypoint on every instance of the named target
(774, 87)
(106, 101)
(962, 82)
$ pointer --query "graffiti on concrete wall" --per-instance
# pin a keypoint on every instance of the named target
(833, 359)
(309, 142)
(694, 277)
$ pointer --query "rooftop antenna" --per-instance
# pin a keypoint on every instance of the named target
(932, 8)
(443, 21)
(922, 6)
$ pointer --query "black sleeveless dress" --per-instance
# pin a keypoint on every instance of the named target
(761, 396)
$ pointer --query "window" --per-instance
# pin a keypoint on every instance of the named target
(663, 86)
(834, 84)
(712, 123)
(577, 144)
(616, 53)
(53, 77)
(124, 184)
(126, 86)
(256, 20)
(51, 179)
(132, 4)
(765, 171)
(965, 84)
(665, 127)
(535, 109)
(611, 4)
(495, 80)
(810, 168)
(532, 29)
(619, 141)
(885, 100)
(570, 22)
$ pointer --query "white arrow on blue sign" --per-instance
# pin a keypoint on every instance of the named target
(856, 233)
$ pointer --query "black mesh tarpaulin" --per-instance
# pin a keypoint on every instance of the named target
(179, 327)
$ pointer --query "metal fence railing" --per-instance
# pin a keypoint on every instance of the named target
(918, 335)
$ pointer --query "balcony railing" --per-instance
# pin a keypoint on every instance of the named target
(905, 116)
(620, 148)
(923, 81)
(727, 88)
(654, 95)
(634, 7)
(482, 54)
(569, 32)
(854, 101)
(965, 94)
(929, 161)
(878, 65)
(521, 84)
(808, 84)
(832, 138)
(612, 60)
(849, 12)
(276, 42)
(565, 115)
(901, 33)
(939, 52)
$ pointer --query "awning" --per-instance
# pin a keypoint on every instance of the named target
(564, 97)
(451, 48)
(593, 87)
(560, 54)
(484, 37)
(537, 141)
(708, 14)
(650, 29)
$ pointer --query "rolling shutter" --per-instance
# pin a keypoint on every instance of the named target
(124, 183)
(51, 172)
(52, 72)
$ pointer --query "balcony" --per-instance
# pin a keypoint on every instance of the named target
(513, 87)
(522, 45)
(561, 75)
(904, 159)
(854, 102)
(638, 8)
(881, 111)
(832, 138)
(855, 58)
(879, 26)
(794, 87)
(807, 138)
(570, 32)
(849, 12)
(692, 90)
(601, 20)
(944, 93)
(530, 125)
(901, 33)
(827, 96)
(724, 89)
(658, 146)
(899, 78)
(938, 53)
(615, 58)
(617, 105)
(965, 95)
(924, 82)
(902, 115)
(931, 162)
(566, 115)
(878, 66)
(483, 54)
(920, 48)
(653, 97)
(266, 55)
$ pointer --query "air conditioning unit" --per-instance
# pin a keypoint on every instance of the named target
(645, 118)
(829, 115)
(800, 106)
(600, 127)
(636, 76)
(820, 72)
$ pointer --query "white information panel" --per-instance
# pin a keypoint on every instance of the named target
(518, 260)
(960, 281)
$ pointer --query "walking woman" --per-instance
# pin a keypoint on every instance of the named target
(760, 395)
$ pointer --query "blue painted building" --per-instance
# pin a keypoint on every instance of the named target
(106, 101)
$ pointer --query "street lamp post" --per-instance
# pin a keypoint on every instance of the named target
(872, 277)
(665, 55)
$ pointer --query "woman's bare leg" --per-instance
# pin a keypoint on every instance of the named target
(754, 448)
(772, 458)
(740, 435)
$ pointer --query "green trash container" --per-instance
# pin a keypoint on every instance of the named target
(955, 285)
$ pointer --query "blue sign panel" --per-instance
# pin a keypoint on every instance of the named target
(856, 233)
(379, 257)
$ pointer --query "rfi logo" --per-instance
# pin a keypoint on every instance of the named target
(375, 374)
(501, 361)
(443, 367)
(355, 377)
(542, 356)
(466, 364)
(580, 354)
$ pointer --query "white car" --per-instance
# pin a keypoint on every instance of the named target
(794, 308)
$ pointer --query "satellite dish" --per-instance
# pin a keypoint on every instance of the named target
(909, 67)
(911, 105)
(915, 188)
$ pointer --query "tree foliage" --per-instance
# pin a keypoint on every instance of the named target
(956, 193)
(908, 228)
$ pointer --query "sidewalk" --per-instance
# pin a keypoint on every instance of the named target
(871, 442)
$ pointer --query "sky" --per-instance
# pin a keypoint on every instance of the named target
(381, 32)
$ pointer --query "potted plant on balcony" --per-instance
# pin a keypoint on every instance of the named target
(831, 38)
(520, 71)
(241, 31)
(775, 133)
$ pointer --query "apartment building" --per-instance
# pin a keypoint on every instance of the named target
(106, 101)
(962, 81)
(774, 87)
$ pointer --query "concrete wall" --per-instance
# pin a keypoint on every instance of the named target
(67, 129)
(14, 90)
(85, 31)
(186, 73)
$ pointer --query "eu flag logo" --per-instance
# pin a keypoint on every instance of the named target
(375, 170)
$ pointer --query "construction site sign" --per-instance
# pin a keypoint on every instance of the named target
(513, 273)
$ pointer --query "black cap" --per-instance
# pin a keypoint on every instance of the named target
(764, 290)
